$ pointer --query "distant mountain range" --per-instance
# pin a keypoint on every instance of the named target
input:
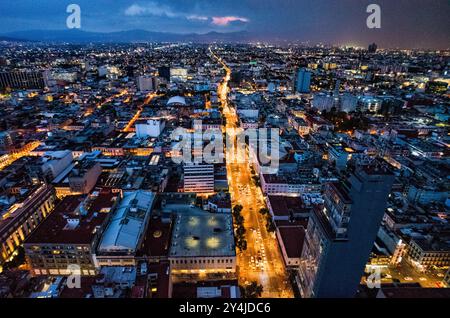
(132, 36)
(10, 39)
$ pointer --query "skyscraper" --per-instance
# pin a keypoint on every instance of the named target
(340, 235)
(164, 72)
(147, 83)
(303, 81)
(372, 48)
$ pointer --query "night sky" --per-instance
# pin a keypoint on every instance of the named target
(404, 23)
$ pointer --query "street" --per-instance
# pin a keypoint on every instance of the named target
(262, 261)
(23, 152)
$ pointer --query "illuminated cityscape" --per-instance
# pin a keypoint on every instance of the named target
(221, 163)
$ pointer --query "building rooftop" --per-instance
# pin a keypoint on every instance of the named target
(157, 238)
(434, 246)
(75, 220)
(161, 271)
(128, 222)
(26, 201)
(119, 274)
(207, 289)
(292, 237)
(176, 100)
(198, 234)
(84, 291)
(413, 292)
(286, 205)
(81, 168)
(337, 188)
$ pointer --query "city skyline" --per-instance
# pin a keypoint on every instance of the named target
(224, 150)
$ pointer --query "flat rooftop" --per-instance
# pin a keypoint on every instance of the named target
(157, 238)
(128, 222)
(162, 271)
(85, 288)
(286, 205)
(202, 234)
(293, 237)
(190, 290)
(26, 201)
(56, 230)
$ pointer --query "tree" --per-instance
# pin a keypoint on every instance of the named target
(237, 211)
(251, 291)
(241, 230)
(239, 220)
(264, 211)
(270, 224)
(241, 244)
(237, 208)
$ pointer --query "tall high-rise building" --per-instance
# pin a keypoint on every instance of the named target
(164, 72)
(6, 140)
(369, 104)
(322, 101)
(23, 79)
(199, 178)
(372, 48)
(340, 235)
(146, 83)
(83, 177)
(348, 102)
(337, 87)
(303, 81)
